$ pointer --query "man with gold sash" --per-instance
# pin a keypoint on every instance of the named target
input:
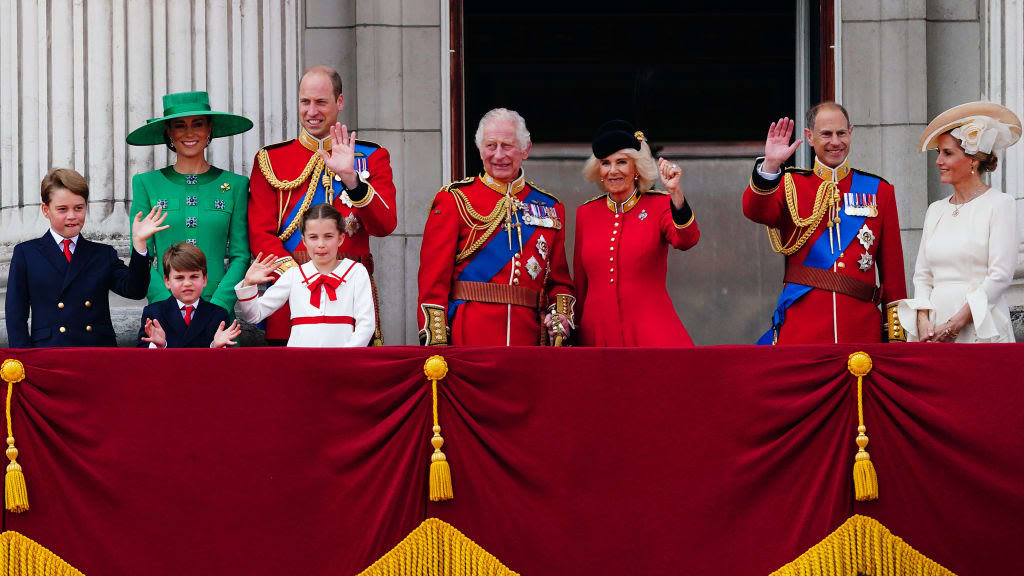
(493, 270)
(838, 229)
(325, 164)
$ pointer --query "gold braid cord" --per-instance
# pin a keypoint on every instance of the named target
(862, 545)
(15, 490)
(312, 172)
(477, 222)
(23, 556)
(436, 548)
(825, 200)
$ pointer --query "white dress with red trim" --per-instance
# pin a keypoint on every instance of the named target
(327, 311)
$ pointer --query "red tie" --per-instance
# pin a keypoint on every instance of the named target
(188, 314)
(67, 248)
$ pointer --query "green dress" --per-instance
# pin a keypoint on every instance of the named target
(207, 210)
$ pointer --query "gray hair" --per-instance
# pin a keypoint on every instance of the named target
(505, 115)
(643, 162)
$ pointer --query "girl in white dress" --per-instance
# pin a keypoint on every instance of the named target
(331, 300)
(969, 242)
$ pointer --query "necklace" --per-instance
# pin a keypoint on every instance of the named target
(976, 194)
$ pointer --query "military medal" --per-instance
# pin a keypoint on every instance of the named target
(350, 224)
(533, 267)
(540, 215)
(866, 237)
(362, 166)
(542, 247)
(865, 262)
(860, 204)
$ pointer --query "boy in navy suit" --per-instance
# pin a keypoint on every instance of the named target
(185, 320)
(65, 280)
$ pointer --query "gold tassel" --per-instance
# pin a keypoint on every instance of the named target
(436, 369)
(15, 490)
(865, 481)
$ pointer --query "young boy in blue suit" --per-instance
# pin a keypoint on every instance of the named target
(185, 320)
(64, 280)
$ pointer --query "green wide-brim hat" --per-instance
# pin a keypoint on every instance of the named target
(180, 105)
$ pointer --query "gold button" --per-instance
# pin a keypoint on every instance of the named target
(60, 304)
(517, 255)
(611, 270)
(518, 263)
(613, 238)
(88, 304)
(63, 329)
(611, 259)
(88, 328)
(515, 281)
(615, 231)
(616, 224)
(611, 248)
(842, 264)
(517, 272)
(617, 215)
(611, 279)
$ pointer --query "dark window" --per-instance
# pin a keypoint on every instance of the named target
(711, 72)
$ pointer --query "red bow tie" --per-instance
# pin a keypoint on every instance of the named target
(330, 283)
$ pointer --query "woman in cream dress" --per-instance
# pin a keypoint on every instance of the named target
(969, 242)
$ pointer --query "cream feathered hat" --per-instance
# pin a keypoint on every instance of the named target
(979, 126)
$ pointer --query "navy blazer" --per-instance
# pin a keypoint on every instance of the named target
(70, 301)
(206, 319)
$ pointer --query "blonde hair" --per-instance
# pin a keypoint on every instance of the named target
(643, 162)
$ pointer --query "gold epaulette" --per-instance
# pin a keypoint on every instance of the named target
(658, 192)
(368, 143)
(458, 183)
(866, 173)
(796, 170)
(598, 197)
(544, 192)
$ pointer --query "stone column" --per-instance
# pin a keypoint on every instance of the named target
(76, 77)
(388, 53)
(884, 67)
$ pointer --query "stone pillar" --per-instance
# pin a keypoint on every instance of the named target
(388, 53)
(76, 77)
(1003, 82)
(884, 87)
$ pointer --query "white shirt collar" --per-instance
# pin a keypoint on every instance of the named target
(60, 239)
(194, 305)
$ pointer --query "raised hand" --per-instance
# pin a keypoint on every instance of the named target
(777, 147)
(226, 336)
(671, 175)
(155, 333)
(261, 270)
(342, 159)
(144, 228)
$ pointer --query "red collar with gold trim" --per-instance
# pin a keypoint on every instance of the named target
(312, 143)
(625, 206)
(514, 187)
(832, 174)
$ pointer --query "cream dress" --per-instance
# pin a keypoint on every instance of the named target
(968, 258)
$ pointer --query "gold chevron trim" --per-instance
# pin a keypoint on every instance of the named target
(22, 556)
(436, 548)
(862, 545)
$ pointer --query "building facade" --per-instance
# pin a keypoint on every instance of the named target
(70, 92)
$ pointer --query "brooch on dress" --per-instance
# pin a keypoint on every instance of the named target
(642, 215)
(191, 179)
(191, 200)
(218, 204)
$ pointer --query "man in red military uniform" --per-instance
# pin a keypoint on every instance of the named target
(492, 264)
(837, 227)
(325, 164)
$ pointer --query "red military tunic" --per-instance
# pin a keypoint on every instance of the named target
(468, 278)
(620, 264)
(813, 318)
(275, 193)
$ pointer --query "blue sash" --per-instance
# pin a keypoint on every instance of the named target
(495, 254)
(820, 256)
(320, 195)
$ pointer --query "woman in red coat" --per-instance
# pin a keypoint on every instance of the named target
(622, 240)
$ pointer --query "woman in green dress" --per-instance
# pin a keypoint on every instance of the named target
(205, 206)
